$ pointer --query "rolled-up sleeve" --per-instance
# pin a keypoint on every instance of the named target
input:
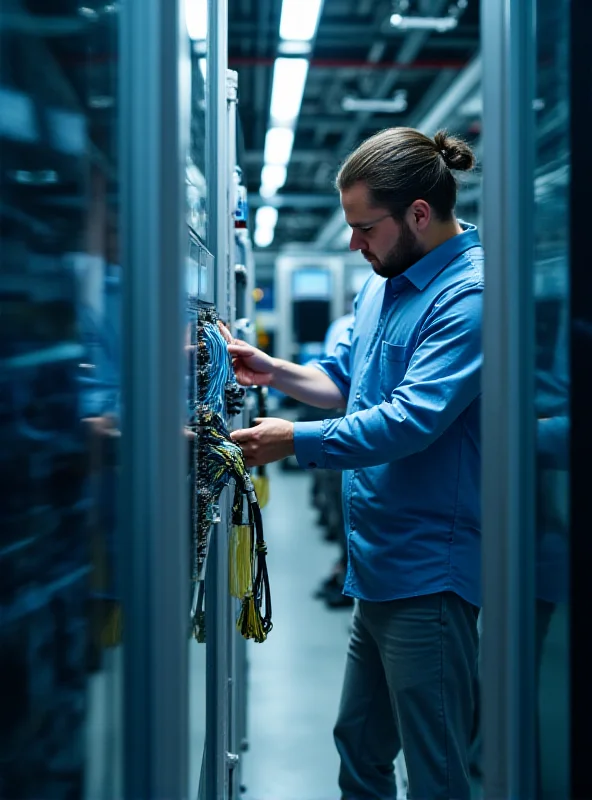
(441, 381)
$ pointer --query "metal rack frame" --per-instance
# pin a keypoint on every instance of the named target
(154, 56)
(508, 660)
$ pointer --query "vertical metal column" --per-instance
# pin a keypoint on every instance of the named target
(154, 504)
(233, 757)
(508, 510)
(218, 182)
(581, 421)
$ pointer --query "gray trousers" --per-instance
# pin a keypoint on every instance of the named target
(409, 683)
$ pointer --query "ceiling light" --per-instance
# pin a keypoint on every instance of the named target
(196, 18)
(396, 105)
(267, 191)
(289, 78)
(101, 101)
(88, 13)
(294, 48)
(263, 236)
(299, 19)
(203, 67)
(266, 217)
(439, 24)
(41, 177)
(273, 177)
(278, 146)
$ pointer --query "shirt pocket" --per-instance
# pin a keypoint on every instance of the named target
(393, 365)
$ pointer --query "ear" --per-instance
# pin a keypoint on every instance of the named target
(419, 215)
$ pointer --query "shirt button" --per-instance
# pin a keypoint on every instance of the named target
(311, 464)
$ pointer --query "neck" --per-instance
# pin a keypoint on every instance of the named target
(442, 232)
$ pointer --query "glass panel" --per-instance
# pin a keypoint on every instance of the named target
(60, 327)
(200, 289)
(551, 276)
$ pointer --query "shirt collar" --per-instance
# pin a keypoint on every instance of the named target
(426, 269)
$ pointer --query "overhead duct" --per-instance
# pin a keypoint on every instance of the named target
(396, 105)
(405, 22)
(437, 24)
(459, 90)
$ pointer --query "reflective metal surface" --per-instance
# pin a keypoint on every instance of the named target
(60, 399)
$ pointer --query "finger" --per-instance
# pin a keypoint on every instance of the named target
(258, 420)
(225, 332)
(240, 436)
(243, 350)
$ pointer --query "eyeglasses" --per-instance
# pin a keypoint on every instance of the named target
(367, 225)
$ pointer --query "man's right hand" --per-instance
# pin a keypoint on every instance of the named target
(252, 366)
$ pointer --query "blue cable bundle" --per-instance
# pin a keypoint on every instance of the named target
(216, 461)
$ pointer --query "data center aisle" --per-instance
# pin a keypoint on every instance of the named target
(295, 677)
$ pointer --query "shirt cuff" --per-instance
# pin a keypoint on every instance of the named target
(308, 444)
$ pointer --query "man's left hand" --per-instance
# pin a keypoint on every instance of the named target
(271, 439)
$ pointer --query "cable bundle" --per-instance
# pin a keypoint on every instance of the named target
(248, 576)
(216, 461)
(260, 478)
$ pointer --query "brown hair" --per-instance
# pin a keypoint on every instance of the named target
(401, 165)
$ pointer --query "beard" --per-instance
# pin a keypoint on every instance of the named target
(403, 255)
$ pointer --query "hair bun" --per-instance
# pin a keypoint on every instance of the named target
(456, 153)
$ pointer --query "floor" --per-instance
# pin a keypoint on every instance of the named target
(295, 677)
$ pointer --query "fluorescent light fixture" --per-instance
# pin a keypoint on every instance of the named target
(266, 217)
(278, 146)
(267, 191)
(294, 48)
(394, 106)
(289, 78)
(439, 24)
(196, 18)
(263, 236)
(299, 19)
(203, 68)
(273, 177)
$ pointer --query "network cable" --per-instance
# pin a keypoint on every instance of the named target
(216, 461)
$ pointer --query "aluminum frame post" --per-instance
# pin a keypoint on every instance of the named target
(153, 144)
(508, 420)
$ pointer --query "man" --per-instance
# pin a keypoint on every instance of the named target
(408, 373)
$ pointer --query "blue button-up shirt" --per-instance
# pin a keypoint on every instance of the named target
(409, 445)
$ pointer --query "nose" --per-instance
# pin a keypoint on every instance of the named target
(357, 240)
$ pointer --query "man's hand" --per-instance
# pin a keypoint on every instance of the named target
(252, 367)
(270, 440)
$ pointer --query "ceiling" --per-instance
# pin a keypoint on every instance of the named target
(356, 53)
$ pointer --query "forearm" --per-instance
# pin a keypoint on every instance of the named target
(306, 384)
